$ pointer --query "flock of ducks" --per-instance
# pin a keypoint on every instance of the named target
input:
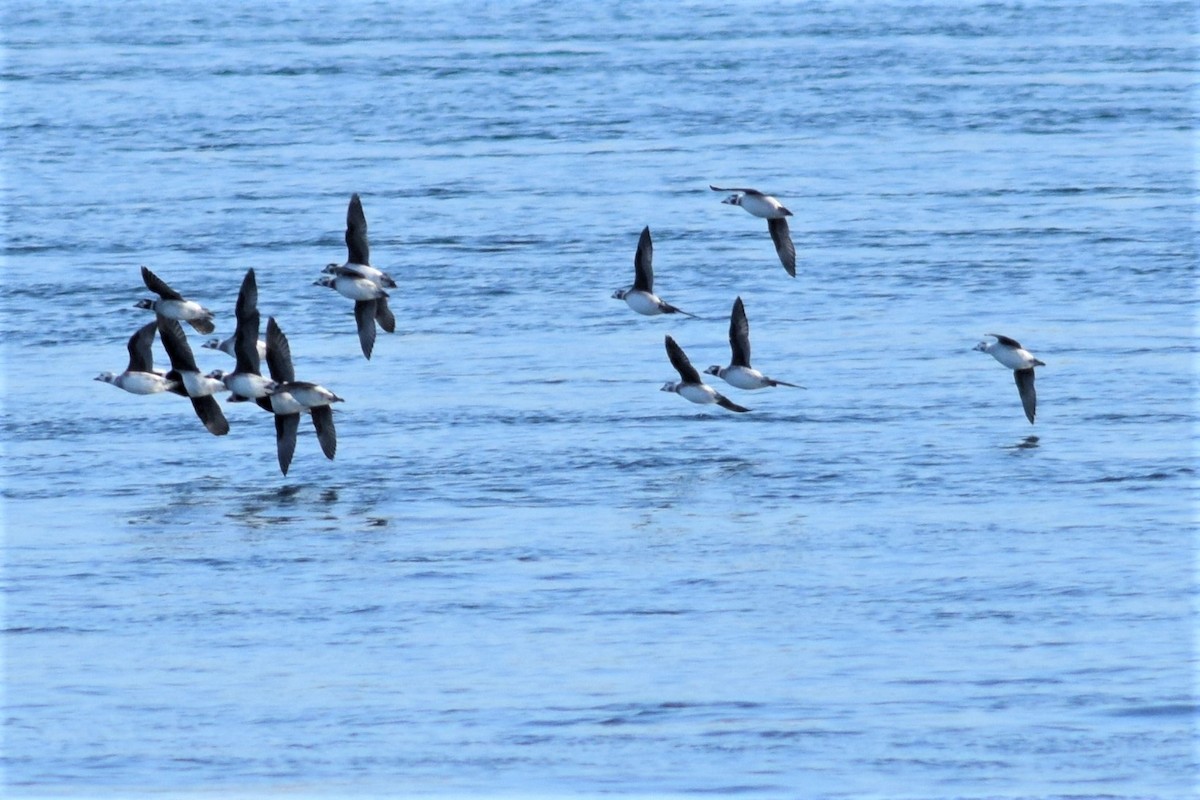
(641, 298)
(287, 399)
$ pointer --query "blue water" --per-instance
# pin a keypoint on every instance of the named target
(528, 572)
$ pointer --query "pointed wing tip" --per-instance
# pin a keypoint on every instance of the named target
(726, 403)
(1025, 388)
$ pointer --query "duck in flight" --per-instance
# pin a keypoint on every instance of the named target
(1011, 354)
(739, 373)
(690, 386)
(768, 208)
(172, 305)
(291, 398)
(641, 297)
(140, 377)
(198, 388)
(358, 249)
(246, 382)
(360, 282)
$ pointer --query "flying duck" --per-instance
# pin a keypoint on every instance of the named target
(291, 398)
(770, 209)
(358, 255)
(359, 281)
(690, 386)
(172, 305)
(1010, 353)
(140, 376)
(739, 373)
(640, 297)
(198, 388)
(246, 382)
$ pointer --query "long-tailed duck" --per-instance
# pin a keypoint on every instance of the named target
(690, 386)
(172, 305)
(739, 373)
(640, 297)
(358, 249)
(246, 382)
(770, 209)
(140, 377)
(199, 388)
(291, 398)
(1010, 353)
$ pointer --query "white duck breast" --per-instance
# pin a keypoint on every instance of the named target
(697, 393)
(364, 271)
(248, 385)
(1010, 353)
(744, 378)
(309, 395)
(183, 363)
(643, 303)
(198, 385)
(182, 310)
(282, 402)
(357, 288)
(370, 306)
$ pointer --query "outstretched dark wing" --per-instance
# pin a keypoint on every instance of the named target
(358, 250)
(364, 315)
(1007, 342)
(140, 357)
(209, 412)
(739, 335)
(679, 361)
(279, 354)
(1024, 379)
(783, 243)
(643, 266)
(725, 402)
(178, 349)
(743, 191)
(245, 335)
(322, 417)
(247, 300)
(159, 286)
(286, 427)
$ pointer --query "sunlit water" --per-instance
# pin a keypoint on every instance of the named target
(529, 572)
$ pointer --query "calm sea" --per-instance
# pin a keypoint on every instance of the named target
(528, 572)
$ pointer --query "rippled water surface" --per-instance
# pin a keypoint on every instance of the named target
(528, 572)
